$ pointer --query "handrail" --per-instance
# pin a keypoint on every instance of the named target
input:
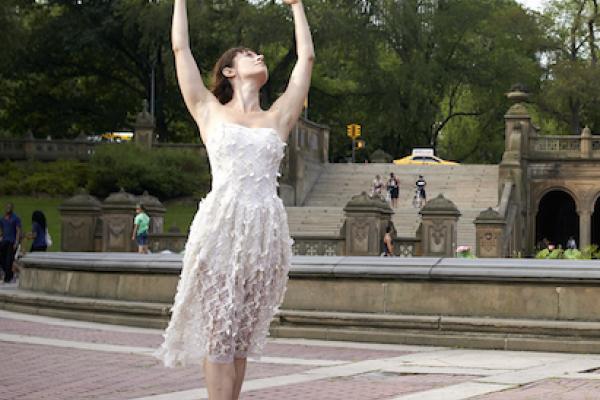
(508, 210)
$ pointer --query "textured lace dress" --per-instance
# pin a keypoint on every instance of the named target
(237, 255)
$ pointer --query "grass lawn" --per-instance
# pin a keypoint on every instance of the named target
(179, 214)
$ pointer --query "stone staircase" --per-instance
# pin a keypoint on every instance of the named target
(472, 188)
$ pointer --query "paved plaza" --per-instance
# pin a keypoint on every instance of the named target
(50, 358)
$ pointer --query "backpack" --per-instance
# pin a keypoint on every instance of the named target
(48, 238)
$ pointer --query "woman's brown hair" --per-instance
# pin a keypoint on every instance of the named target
(221, 86)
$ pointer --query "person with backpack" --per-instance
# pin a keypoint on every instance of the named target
(39, 232)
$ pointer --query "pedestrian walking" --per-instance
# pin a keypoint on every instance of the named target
(238, 251)
(11, 240)
(141, 225)
(39, 232)
(388, 243)
(377, 186)
(420, 197)
(393, 186)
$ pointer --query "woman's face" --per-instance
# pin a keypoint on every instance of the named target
(249, 65)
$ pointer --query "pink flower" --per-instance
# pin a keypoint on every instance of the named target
(550, 247)
(463, 249)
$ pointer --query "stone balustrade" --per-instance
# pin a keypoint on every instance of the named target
(584, 146)
(78, 149)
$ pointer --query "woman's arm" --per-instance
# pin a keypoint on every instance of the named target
(195, 94)
(289, 105)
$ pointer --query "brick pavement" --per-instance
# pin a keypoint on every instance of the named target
(369, 386)
(550, 389)
(52, 359)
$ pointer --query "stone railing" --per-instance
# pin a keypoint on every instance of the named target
(509, 209)
(195, 147)
(173, 242)
(318, 246)
(406, 247)
(303, 245)
(12, 149)
(78, 149)
(585, 146)
(45, 150)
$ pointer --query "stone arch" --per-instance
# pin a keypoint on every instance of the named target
(556, 217)
(595, 220)
(552, 188)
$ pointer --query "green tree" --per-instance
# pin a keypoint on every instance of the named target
(570, 92)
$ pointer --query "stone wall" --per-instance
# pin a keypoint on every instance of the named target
(491, 303)
(306, 154)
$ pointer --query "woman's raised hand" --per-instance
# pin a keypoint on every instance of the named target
(290, 2)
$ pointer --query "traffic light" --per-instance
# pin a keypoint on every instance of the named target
(353, 131)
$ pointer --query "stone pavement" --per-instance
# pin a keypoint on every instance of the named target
(49, 358)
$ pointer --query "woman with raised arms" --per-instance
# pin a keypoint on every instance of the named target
(238, 251)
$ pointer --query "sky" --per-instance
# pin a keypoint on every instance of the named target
(533, 4)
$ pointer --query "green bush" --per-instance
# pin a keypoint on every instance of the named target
(543, 253)
(587, 253)
(572, 254)
(165, 173)
(59, 178)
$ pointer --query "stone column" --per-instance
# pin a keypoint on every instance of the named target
(79, 217)
(585, 228)
(439, 233)
(155, 210)
(489, 234)
(586, 143)
(513, 167)
(118, 211)
(29, 143)
(144, 127)
(366, 221)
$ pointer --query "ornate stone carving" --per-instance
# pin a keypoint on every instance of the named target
(366, 221)
(438, 235)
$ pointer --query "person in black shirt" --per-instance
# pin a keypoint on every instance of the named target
(10, 224)
(393, 186)
(420, 184)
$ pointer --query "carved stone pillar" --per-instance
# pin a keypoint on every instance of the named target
(118, 211)
(438, 232)
(513, 167)
(79, 216)
(586, 143)
(144, 127)
(585, 228)
(489, 231)
(366, 221)
(155, 210)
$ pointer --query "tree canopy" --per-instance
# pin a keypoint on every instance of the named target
(411, 72)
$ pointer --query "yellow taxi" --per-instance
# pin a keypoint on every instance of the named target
(423, 157)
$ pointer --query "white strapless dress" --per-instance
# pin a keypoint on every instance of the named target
(237, 255)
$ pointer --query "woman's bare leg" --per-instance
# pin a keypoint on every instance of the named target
(220, 380)
(240, 372)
